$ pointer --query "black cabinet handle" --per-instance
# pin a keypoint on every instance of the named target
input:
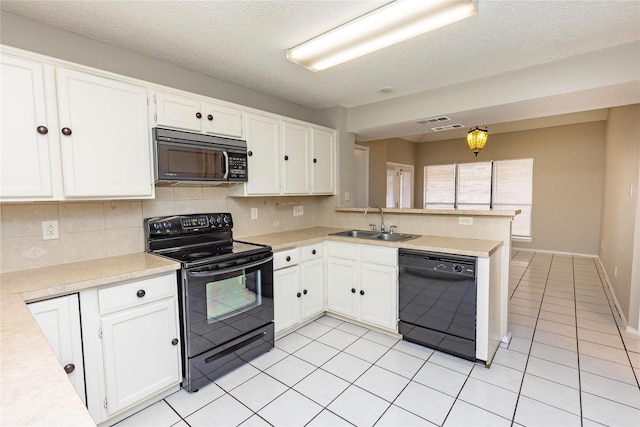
(209, 117)
(174, 341)
(288, 258)
(304, 292)
(313, 252)
(69, 368)
(286, 157)
(141, 293)
(198, 115)
(298, 295)
(42, 130)
(353, 290)
(361, 292)
(66, 131)
(249, 153)
(315, 160)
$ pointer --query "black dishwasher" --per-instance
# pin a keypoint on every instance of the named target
(437, 301)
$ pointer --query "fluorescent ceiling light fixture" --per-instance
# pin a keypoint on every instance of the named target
(388, 25)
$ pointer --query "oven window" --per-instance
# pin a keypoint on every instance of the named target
(233, 295)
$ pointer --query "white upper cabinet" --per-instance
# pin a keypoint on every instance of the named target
(263, 154)
(296, 145)
(197, 115)
(105, 136)
(69, 134)
(26, 151)
(323, 162)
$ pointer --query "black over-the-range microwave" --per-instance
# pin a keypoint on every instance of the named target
(193, 158)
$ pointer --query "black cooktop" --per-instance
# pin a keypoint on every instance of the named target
(196, 239)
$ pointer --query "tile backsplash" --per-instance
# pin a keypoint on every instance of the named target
(96, 229)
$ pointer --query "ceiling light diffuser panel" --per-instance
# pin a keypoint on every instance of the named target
(388, 25)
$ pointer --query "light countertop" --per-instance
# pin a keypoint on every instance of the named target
(450, 245)
(34, 389)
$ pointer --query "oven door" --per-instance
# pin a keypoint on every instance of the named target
(190, 162)
(221, 304)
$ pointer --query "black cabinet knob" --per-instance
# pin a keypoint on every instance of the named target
(288, 258)
(69, 368)
(66, 131)
(141, 293)
(298, 295)
(209, 117)
(361, 292)
(304, 292)
(315, 160)
(286, 157)
(313, 252)
(174, 341)
(353, 290)
(198, 115)
(42, 130)
(249, 153)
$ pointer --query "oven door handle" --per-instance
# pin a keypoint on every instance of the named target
(226, 164)
(228, 270)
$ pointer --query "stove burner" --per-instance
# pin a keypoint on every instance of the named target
(197, 255)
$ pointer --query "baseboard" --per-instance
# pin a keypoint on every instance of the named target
(554, 252)
(613, 295)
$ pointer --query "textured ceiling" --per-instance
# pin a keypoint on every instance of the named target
(244, 42)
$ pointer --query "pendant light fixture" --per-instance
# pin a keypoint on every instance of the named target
(477, 138)
(385, 26)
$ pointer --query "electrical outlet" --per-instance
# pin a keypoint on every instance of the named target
(50, 230)
(298, 210)
(347, 196)
(465, 220)
(254, 213)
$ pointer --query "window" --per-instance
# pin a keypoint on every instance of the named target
(399, 186)
(503, 184)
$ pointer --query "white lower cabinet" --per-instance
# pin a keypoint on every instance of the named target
(298, 285)
(59, 319)
(132, 345)
(362, 283)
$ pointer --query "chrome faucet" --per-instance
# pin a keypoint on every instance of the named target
(381, 216)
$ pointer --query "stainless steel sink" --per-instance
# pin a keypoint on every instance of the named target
(395, 237)
(376, 235)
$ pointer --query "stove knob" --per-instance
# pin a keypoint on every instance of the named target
(166, 224)
(227, 219)
(219, 220)
(156, 225)
(212, 221)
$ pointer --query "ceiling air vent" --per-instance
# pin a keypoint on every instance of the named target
(447, 127)
(433, 120)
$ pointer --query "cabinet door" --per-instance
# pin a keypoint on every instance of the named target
(25, 150)
(342, 286)
(312, 288)
(295, 158)
(286, 303)
(178, 112)
(106, 142)
(221, 120)
(323, 162)
(140, 356)
(263, 145)
(59, 319)
(378, 295)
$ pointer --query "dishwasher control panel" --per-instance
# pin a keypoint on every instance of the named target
(452, 264)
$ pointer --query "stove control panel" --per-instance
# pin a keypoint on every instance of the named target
(189, 224)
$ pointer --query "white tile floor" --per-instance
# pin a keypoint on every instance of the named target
(567, 364)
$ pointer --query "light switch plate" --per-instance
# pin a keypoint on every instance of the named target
(465, 220)
(254, 213)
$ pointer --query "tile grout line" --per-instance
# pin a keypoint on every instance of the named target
(515, 409)
(575, 313)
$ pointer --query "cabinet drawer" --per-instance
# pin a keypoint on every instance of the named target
(286, 258)
(312, 251)
(342, 250)
(379, 255)
(136, 293)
